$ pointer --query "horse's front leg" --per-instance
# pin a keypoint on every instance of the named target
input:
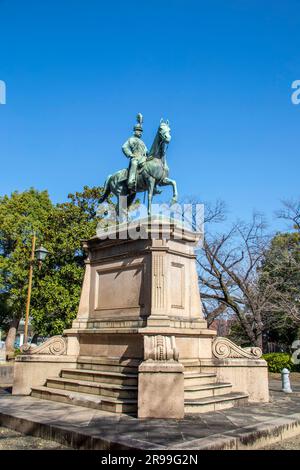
(169, 182)
(150, 195)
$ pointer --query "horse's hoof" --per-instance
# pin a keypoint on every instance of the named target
(156, 191)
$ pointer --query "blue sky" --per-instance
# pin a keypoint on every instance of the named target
(77, 73)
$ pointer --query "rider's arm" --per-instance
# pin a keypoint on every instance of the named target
(126, 148)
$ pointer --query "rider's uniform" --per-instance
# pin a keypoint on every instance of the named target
(135, 149)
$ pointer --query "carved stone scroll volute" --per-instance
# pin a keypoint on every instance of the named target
(160, 348)
(56, 346)
(223, 348)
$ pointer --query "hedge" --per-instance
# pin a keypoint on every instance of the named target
(278, 361)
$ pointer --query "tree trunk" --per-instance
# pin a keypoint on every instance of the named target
(247, 329)
(259, 340)
(11, 335)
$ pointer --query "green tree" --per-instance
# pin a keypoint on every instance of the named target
(56, 287)
(19, 215)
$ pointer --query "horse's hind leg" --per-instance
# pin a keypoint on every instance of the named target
(119, 209)
(107, 190)
(122, 205)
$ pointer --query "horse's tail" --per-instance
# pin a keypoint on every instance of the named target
(107, 190)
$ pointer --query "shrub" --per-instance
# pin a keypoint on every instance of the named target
(17, 352)
(278, 361)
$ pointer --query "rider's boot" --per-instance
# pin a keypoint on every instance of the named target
(131, 186)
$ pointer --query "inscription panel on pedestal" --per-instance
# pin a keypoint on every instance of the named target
(119, 288)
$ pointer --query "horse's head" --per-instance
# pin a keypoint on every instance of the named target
(162, 138)
(164, 131)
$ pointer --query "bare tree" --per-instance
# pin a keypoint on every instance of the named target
(228, 267)
(231, 273)
(290, 212)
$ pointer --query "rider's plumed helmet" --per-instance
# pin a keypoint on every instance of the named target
(139, 120)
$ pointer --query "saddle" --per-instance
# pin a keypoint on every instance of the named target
(124, 172)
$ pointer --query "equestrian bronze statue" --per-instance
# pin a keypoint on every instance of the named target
(146, 171)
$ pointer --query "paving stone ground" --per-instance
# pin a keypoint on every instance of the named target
(12, 440)
(193, 432)
(286, 444)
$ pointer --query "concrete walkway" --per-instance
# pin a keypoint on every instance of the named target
(249, 427)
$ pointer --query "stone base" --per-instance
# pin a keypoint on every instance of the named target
(2, 355)
(253, 427)
(140, 342)
(161, 389)
(32, 371)
(246, 375)
(6, 374)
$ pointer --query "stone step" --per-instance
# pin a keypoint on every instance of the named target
(94, 388)
(114, 405)
(208, 390)
(108, 364)
(191, 365)
(199, 378)
(221, 402)
(100, 376)
(107, 368)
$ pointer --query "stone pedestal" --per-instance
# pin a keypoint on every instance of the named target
(161, 389)
(2, 354)
(141, 329)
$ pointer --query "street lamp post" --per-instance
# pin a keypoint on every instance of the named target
(41, 254)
